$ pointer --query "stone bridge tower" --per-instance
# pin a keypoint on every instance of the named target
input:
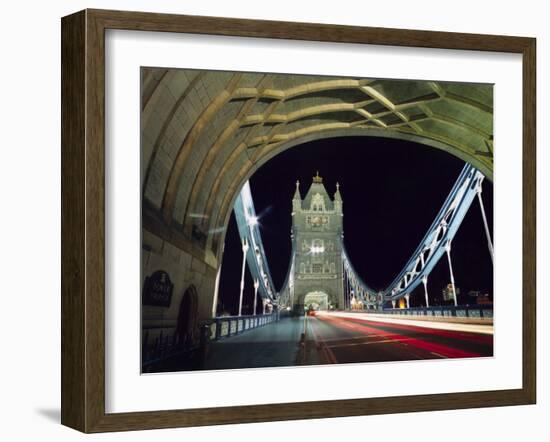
(317, 241)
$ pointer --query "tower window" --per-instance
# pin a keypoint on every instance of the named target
(318, 203)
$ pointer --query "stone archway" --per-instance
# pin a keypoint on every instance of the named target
(187, 322)
(317, 300)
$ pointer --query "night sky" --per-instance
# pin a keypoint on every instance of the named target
(391, 192)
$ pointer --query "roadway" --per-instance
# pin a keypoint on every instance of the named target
(345, 338)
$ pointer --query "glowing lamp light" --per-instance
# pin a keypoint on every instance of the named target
(252, 220)
(317, 249)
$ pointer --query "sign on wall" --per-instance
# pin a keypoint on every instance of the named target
(157, 289)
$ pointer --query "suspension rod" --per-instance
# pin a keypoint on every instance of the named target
(485, 223)
(448, 249)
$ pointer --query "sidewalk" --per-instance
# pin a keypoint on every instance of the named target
(274, 345)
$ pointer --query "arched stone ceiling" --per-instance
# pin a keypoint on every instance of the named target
(205, 132)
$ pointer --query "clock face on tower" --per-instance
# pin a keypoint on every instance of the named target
(317, 220)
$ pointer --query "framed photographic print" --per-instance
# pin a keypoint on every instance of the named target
(266, 220)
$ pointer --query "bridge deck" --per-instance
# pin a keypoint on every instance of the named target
(342, 337)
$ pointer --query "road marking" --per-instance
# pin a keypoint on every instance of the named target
(325, 350)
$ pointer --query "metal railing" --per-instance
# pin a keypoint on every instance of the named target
(225, 326)
(461, 311)
(155, 351)
(165, 346)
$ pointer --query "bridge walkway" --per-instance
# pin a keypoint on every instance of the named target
(277, 344)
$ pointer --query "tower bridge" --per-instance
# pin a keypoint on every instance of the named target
(205, 133)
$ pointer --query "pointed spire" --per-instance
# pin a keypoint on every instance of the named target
(337, 196)
(297, 195)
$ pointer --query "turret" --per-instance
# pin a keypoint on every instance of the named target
(297, 199)
(338, 199)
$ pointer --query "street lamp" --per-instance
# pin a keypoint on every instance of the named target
(425, 282)
(245, 249)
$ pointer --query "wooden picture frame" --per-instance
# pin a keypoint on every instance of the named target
(83, 220)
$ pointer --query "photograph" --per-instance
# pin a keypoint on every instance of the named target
(301, 220)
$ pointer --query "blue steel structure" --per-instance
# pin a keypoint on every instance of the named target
(433, 246)
(439, 235)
